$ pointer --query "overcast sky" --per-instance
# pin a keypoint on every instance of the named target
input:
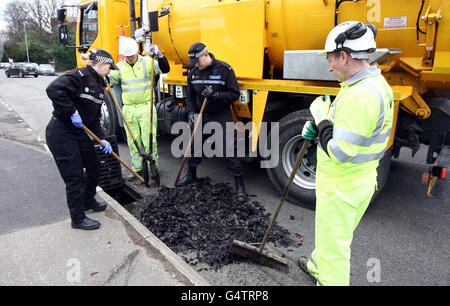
(2, 7)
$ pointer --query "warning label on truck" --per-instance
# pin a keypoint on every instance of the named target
(395, 22)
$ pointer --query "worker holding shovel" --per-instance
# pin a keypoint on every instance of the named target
(135, 76)
(212, 88)
(77, 98)
(353, 132)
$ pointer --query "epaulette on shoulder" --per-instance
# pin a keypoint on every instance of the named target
(82, 72)
(226, 65)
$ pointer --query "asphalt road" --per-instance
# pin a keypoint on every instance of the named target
(403, 239)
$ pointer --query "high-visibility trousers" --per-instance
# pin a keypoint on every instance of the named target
(138, 118)
(338, 213)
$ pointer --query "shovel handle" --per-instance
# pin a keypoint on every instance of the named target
(152, 91)
(285, 192)
(138, 147)
(113, 95)
(192, 138)
(112, 153)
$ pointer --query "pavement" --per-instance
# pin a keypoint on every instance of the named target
(38, 245)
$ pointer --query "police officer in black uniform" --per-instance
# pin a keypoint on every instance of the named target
(77, 97)
(216, 81)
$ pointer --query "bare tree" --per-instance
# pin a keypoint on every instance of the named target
(37, 13)
(15, 15)
(36, 16)
(41, 12)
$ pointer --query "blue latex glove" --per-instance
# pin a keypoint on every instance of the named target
(309, 131)
(320, 108)
(76, 120)
(107, 147)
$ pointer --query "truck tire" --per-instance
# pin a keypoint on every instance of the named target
(302, 191)
(108, 115)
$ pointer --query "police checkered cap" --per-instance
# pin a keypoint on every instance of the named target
(195, 51)
(101, 55)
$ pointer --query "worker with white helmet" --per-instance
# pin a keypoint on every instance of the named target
(134, 75)
(353, 132)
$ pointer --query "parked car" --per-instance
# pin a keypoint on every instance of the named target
(46, 69)
(22, 69)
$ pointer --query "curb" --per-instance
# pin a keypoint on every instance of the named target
(182, 267)
(170, 255)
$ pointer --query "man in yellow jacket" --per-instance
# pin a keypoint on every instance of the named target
(353, 133)
(134, 75)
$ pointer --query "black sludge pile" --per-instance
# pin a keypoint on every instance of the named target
(204, 219)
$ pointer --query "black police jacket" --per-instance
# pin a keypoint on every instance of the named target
(220, 76)
(82, 90)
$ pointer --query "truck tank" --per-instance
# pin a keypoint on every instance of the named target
(246, 32)
(272, 46)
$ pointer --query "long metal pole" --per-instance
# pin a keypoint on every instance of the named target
(26, 41)
(132, 18)
(112, 153)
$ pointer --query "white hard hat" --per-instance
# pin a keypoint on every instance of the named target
(351, 36)
(127, 46)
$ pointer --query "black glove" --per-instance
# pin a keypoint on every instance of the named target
(191, 120)
(209, 93)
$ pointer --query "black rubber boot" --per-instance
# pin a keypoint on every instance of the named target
(240, 189)
(189, 178)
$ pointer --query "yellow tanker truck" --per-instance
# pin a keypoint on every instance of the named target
(272, 46)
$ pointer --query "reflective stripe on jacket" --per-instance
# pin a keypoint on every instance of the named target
(135, 80)
(362, 116)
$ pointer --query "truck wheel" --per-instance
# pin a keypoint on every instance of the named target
(7, 75)
(108, 116)
(302, 191)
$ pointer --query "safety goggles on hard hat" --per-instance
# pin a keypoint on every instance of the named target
(352, 37)
(355, 32)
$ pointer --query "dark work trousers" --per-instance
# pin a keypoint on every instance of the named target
(73, 150)
(234, 163)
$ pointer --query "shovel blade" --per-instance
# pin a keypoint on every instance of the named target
(154, 173)
(145, 170)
